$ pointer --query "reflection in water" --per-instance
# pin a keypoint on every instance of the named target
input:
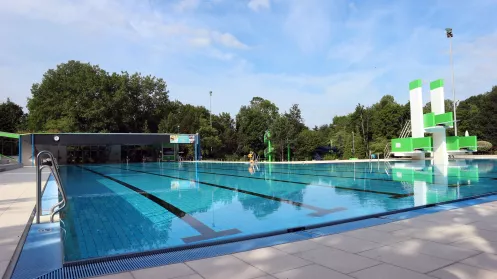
(104, 218)
(435, 183)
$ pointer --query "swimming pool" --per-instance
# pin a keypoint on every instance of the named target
(119, 209)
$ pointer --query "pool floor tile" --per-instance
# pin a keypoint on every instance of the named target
(311, 272)
(385, 271)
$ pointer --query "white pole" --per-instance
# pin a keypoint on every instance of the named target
(453, 88)
(210, 107)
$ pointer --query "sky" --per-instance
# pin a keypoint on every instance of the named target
(325, 55)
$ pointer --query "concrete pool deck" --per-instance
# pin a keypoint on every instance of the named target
(459, 243)
(17, 201)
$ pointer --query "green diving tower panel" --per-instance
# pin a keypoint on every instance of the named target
(405, 145)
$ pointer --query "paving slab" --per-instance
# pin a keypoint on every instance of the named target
(412, 260)
(271, 260)
(484, 260)
(384, 271)
(225, 267)
(338, 260)
(311, 271)
(463, 271)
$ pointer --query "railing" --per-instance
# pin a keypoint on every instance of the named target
(5, 157)
(54, 169)
(404, 133)
(406, 130)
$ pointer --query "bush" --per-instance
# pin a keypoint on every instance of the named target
(329, 157)
(232, 157)
(484, 146)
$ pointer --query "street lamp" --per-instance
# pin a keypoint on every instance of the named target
(449, 34)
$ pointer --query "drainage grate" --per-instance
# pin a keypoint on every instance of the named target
(129, 263)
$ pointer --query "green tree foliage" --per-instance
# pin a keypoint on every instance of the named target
(251, 123)
(12, 118)
(209, 138)
(225, 125)
(484, 146)
(80, 97)
(478, 116)
(285, 130)
(307, 141)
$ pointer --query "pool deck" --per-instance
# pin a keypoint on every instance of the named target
(459, 243)
(17, 201)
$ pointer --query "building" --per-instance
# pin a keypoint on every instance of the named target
(101, 148)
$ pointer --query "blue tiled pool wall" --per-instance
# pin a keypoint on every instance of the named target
(120, 221)
(117, 264)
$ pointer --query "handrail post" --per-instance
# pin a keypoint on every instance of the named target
(38, 190)
(54, 169)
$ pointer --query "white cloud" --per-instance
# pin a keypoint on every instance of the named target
(257, 5)
(228, 40)
(186, 5)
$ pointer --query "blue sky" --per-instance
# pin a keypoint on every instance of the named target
(325, 55)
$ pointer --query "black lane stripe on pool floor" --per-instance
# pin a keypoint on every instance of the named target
(205, 232)
(392, 195)
(318, 211)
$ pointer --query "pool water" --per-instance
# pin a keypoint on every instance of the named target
(120, 208)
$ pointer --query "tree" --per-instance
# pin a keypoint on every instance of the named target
(12, 117)
(82, 97)
(209, 137)
(225, 125)
(306, 144)
(251, 123)
(285, 130)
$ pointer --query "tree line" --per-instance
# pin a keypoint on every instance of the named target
(80, 97)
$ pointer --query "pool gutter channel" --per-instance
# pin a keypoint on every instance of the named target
(301, 230)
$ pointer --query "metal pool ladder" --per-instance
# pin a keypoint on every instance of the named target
(54, 169)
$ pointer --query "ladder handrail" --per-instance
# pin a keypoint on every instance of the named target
(54, 169)
(406, 129)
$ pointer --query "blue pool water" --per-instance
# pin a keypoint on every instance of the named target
(117, 209)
